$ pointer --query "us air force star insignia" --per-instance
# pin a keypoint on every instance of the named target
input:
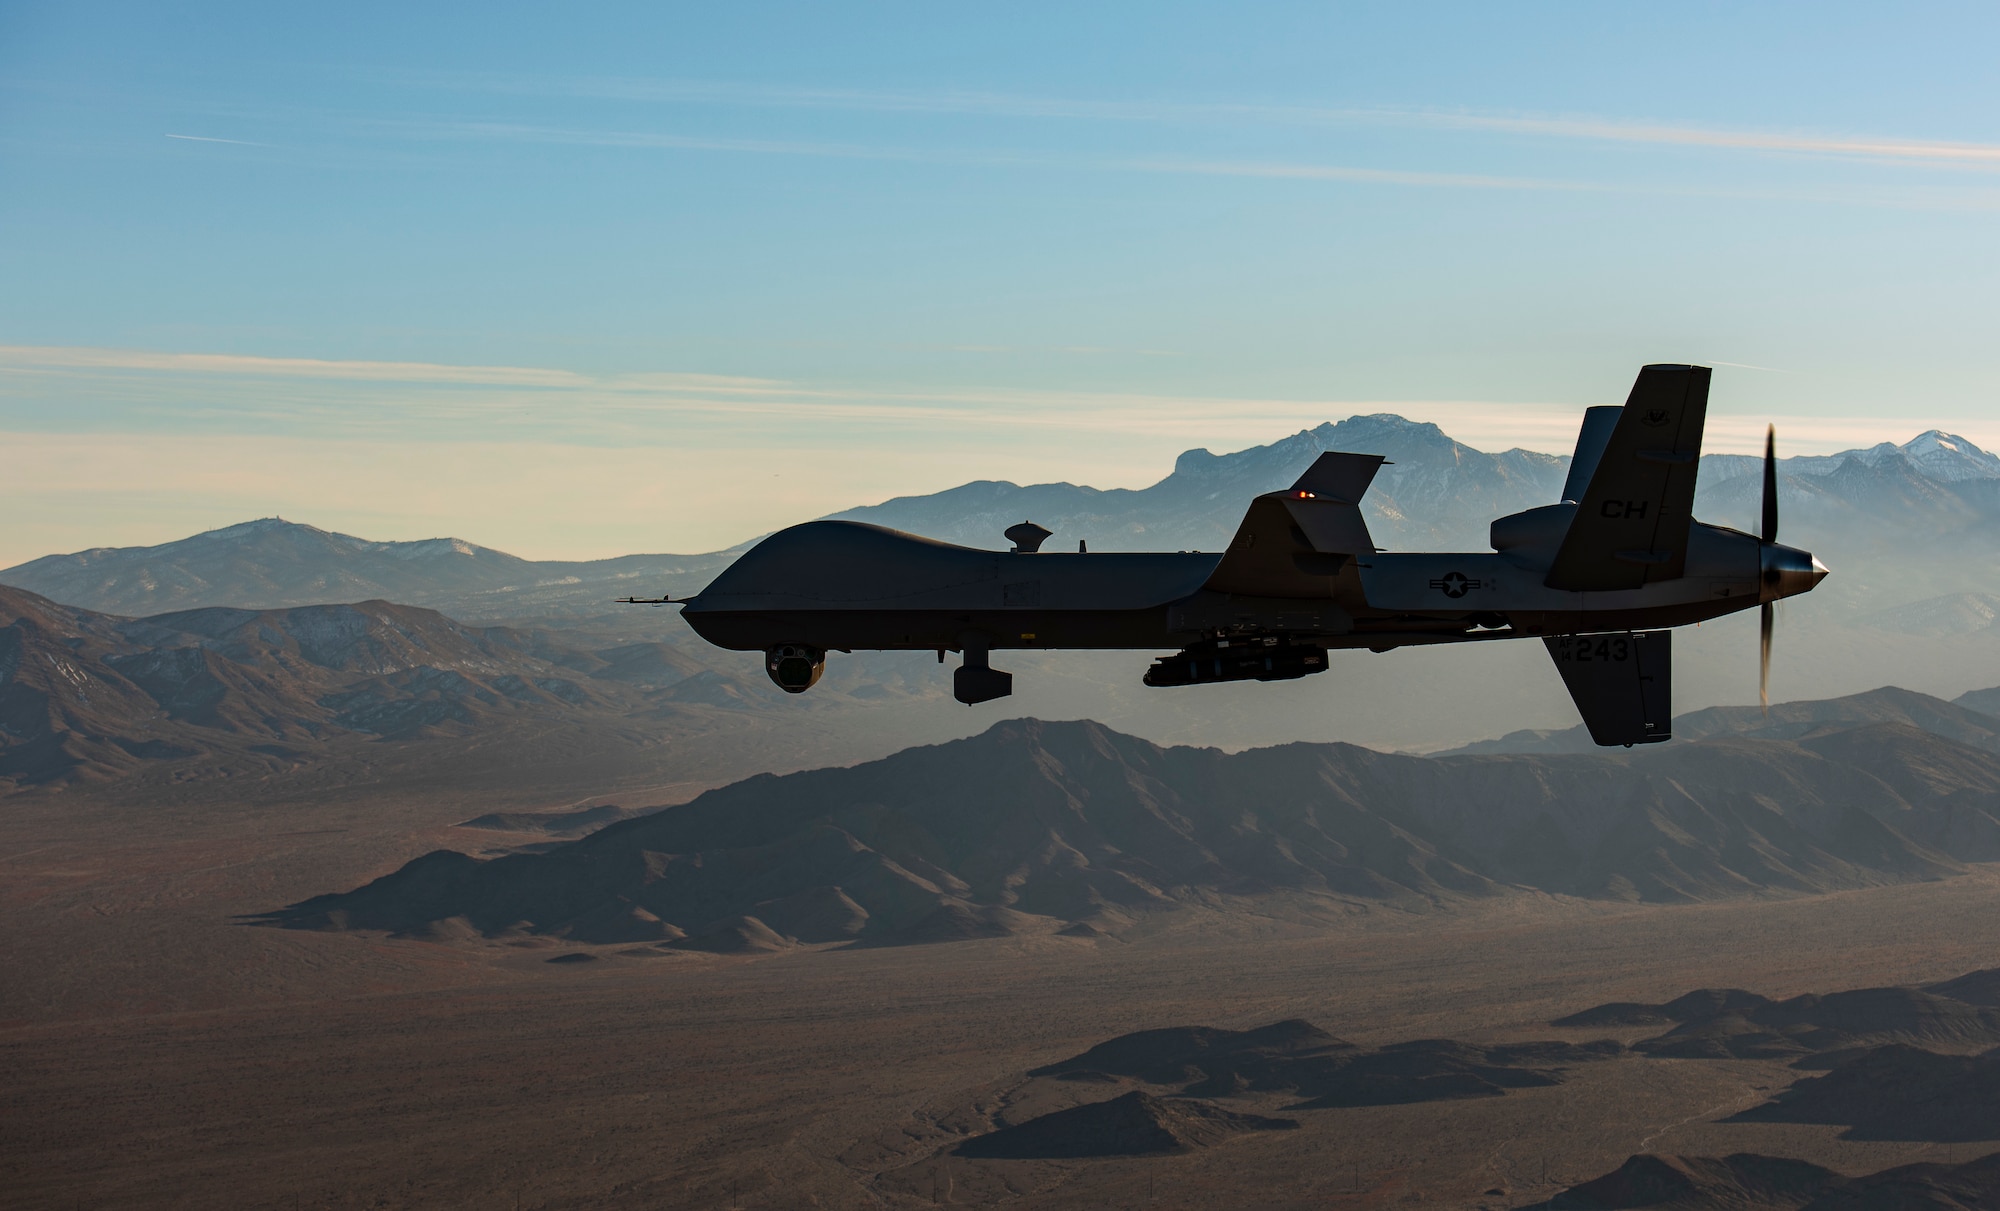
(1455, 584)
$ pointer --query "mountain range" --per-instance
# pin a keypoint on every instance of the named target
(1435, 493)
(1969, 720)
(1912, 532)
(92, 695)
(1034, 826)
(272, 564)
(207, 691)
(222, 691)
(1440, 494)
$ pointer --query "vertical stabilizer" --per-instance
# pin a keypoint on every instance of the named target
(1590, 442)
(1631, 524)
(1622, 683)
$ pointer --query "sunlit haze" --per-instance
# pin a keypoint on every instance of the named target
(573, 282)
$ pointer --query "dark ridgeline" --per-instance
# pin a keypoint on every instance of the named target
(1879, 1085)
(1896, 1092)
(1072, 822)
(1883, 1080)
(1292, 1058)
(1297, 1058)
(1815, 1031)
(1133, 1124)
(1748, 1182)
(1970, 719)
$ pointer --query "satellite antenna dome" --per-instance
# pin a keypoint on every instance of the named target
(1026, 537)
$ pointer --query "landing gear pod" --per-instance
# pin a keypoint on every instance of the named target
(976, 680)
(795, 668)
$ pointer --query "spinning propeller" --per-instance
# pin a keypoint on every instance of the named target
(1767, 612)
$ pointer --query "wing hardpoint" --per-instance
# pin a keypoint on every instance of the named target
(1631, 524)
(1290, 543)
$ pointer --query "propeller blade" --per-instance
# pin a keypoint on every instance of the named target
(1767, 616)
(1770, 533)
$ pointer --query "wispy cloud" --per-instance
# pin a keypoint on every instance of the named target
(212, 139)
(1593, 128)
(106, 389)
(1608, 130)
(935, 155)
(1748, 366)
(1335, 172)
(31, 357)
(640, 140)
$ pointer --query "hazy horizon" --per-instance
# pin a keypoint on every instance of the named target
(633, 280)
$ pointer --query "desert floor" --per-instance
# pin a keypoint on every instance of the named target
(157, 1052)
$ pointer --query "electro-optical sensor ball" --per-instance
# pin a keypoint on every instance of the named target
(794, 668)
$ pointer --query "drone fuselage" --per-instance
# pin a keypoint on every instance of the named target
(1619, 556)
(846, 586)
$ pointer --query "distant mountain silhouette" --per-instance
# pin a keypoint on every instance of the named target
(1440, 494)
(1912, 532)
(93, 696)
(273, 563)
(1031, 825)
(1749, 1182)
(1939, 455)
(1437, 493)
(1965, 720)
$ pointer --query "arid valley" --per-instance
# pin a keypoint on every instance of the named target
(513, 899)
(161, 1053)
(887, 607)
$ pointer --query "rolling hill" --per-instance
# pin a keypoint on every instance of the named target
(1035, 826)
(1746, 1181)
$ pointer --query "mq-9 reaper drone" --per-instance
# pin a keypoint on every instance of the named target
(1598, 577)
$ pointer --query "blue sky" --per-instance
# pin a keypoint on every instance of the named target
(582, 280)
